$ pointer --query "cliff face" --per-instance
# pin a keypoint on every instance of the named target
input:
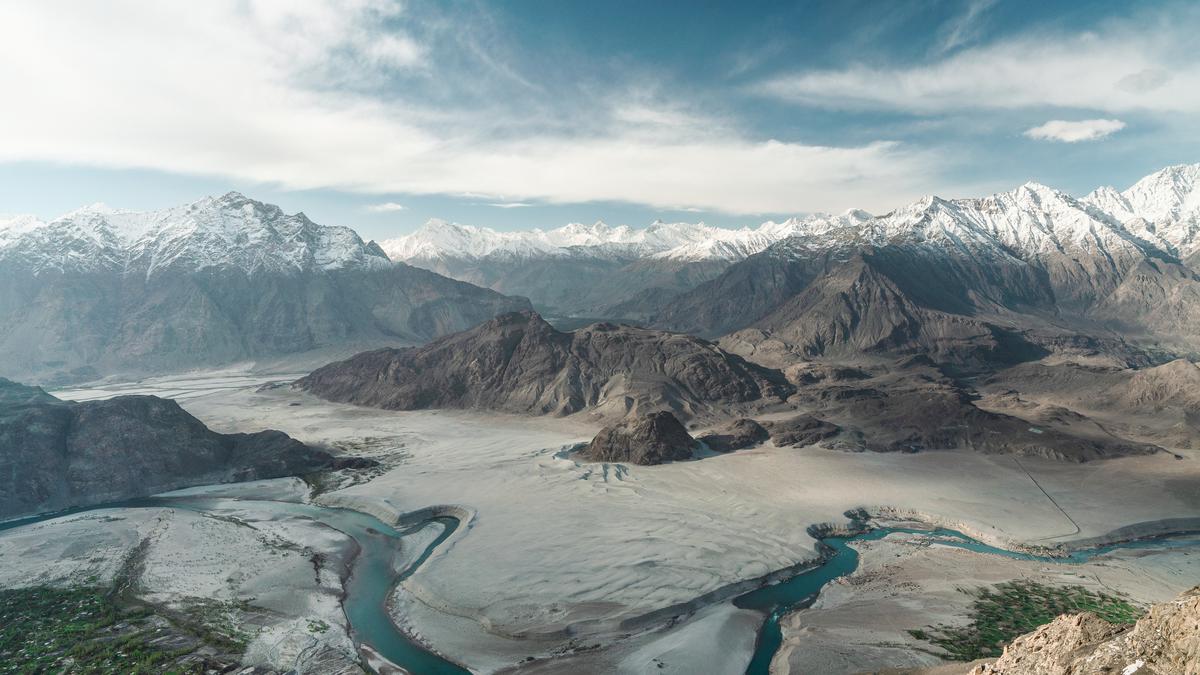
(518, 363)
(57, 454)
(643, 439)
(1164, 642)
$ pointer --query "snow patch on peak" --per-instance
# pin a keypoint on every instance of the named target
(228, 231)
(659, 239)
(14, 226)
(1163, 208)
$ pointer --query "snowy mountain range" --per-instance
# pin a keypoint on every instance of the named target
(228, 278)
(439, 239)
(1006, 275)
(1162, 208)
(231, 231)
(600, 270)
(103, 291)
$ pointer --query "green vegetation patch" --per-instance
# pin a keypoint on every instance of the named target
(1009, 610)
(86, 630)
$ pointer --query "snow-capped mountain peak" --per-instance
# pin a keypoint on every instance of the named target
(15, 226)
(1162, 208)
(440, 240)
(227, 231)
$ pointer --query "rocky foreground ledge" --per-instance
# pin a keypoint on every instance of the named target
(1164, 642)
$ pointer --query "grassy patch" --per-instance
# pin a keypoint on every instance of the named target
(216, 622)
(80, 630)
(1009, 610)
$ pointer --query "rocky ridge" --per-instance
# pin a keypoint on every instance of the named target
(518, 363)
(60, 454)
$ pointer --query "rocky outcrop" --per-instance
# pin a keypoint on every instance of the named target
(57, 454)
(1159, 404)
(911, 407)
(519, 363)
(738, 434)
(800, 431)
(1164, 642)
(641, 439)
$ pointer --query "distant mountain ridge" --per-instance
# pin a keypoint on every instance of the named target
(439, 239)
(227, 231)
(594, 270)
(959, 277)
(621, 272)
(103, 291)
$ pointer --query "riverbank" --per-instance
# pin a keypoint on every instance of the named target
(276, 583)
(561, 556)
(904, 582)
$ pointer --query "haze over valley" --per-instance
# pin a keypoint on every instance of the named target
(815, 350)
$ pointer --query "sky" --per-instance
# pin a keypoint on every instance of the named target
(380, 115)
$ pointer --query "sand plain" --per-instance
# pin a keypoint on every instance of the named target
(627, 565)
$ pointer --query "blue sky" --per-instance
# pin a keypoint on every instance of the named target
(380, 115)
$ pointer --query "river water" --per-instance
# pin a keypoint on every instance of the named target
(799, 591)
(374, 573)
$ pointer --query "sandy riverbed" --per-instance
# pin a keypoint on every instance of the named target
(559, 555)
(860, 622)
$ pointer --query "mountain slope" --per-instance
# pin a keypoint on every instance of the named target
(100, 291)
(57, 454)
(519, 363)
(593, 270)
(1163, 208)
(950, 278)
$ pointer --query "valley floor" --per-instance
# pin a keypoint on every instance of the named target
(559, 557)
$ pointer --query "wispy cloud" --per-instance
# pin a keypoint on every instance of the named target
(288, 110)
(1114, 69)
(964, 28)
(510, 205)
(1064, 131)
(385, 207)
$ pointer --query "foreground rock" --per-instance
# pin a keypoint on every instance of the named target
(644, 439)
(738, 434)
(1164, 642)
(57, 454)
(519, 363)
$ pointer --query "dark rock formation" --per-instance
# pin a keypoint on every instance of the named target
(738, 434)
(59, 454)
(909, 412)
(800, 431)
(641, 439)
(870, 304)
(519, 363)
